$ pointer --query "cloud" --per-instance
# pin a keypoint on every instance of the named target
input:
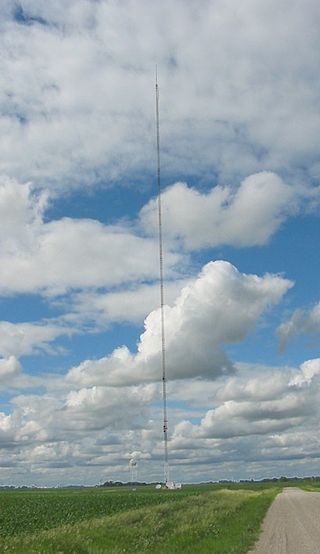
(301, 322)
(56, 256)
(21, 212)
(309, 371)
(287, 401)
(77, 110)
(245, 418)
(220, 307)
(101, 407)
(77, 98)
(242, 428)
(13, 378)
(7, 429)
(71, 414)
(129, 305)
(18, 339)
(245, 216)
(9, 367)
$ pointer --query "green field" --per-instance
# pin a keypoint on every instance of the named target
(203, 518)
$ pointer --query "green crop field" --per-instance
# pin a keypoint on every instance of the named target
(202, 518)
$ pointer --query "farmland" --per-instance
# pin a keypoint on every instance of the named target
(201, 518)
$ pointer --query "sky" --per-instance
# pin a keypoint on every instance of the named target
(80, 334)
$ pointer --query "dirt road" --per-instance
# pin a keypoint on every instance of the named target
(292, 524)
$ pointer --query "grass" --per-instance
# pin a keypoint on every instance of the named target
(27, 511)
(198, 519)
(311, 486)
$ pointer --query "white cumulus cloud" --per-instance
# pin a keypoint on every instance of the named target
(220, 307)
(56, 256)
(9, 367)
(245, 216)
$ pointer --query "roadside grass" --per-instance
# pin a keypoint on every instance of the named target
(310, 485)
(220, 521)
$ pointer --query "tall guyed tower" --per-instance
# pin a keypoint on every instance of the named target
(163, 336)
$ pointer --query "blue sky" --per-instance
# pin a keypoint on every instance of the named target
(80, 340)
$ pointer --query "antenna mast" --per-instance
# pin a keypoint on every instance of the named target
(163, 341)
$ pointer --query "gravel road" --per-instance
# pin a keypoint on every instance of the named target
(292, 524)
